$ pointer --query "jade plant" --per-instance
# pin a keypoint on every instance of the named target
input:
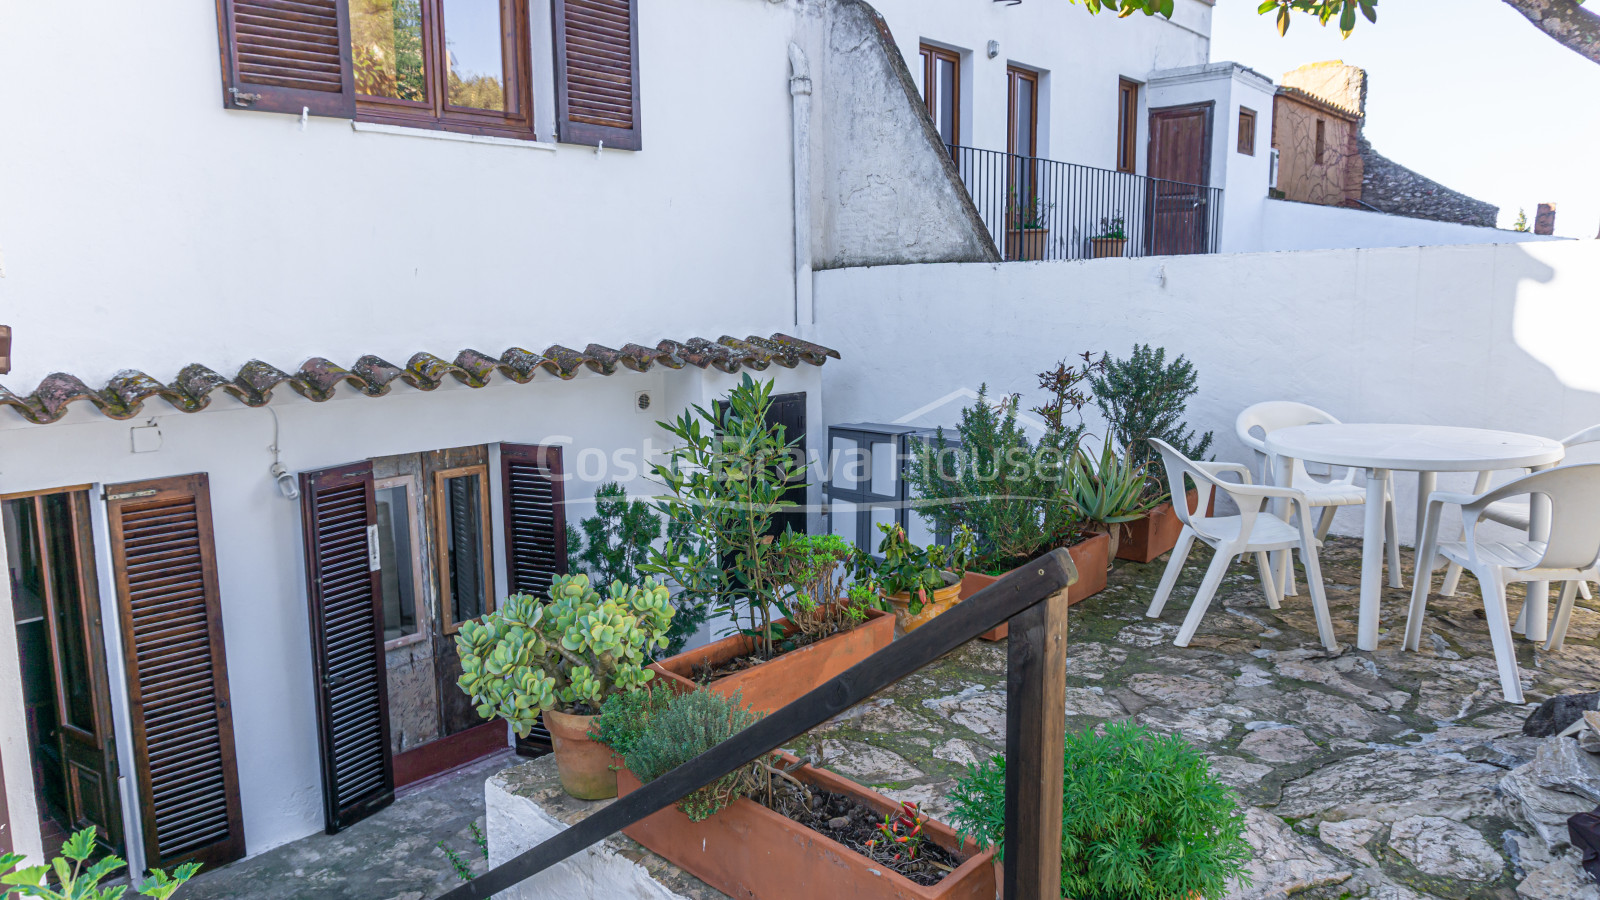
(904, 568)
(1142, 817)
(66, 877)
(567, 652)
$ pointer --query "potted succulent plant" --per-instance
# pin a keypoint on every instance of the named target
(1112, 239)
(921, 583)
(781, 829)
(1109, 492)
(1142, 397)
(1143, 817)
(1027, 228)
(562, 656)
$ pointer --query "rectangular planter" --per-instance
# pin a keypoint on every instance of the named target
(749, 851)
(777, 682)
(1154, 534)
(1090, 556)
(1027, 243)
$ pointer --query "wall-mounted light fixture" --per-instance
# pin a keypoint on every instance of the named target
(280, 472)
(994, 49)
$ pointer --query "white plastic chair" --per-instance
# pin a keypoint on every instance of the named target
(1328, 495)
(1253, 531)
(1517, 512)
(1569, 556)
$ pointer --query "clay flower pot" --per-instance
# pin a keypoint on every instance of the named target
(1155, 534)
(933, 606)
(1091, 556)
(747, 850)
(1027, 243)
(583, 763)
(777, 682)
(1106, 247)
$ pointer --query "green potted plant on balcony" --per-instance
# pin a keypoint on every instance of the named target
(1143, 817)
(1112, 240)
(921, 583)
(562, 656)
(1027, 227)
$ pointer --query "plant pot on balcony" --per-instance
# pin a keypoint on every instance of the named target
(940, 602)
(1027, 243)
(1091, 557)
(1107, 247)
(585, 764)
(773, 684)
(748, 850)
(1156, 533)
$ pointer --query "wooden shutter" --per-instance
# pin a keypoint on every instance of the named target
(597, 72)
(287, 55)
(164, 560)
(339, 518)
(535, 516)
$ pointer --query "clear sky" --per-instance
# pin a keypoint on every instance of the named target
(1467, 92)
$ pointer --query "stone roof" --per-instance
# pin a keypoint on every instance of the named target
(1322, 102)
(317, 378)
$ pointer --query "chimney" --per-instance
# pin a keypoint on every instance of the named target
(1544, 221)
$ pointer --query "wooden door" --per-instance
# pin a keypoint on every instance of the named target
(164, 557)
(339, 519)
(463, 568)
(1180, 168)
(53, 570)
(789, 411)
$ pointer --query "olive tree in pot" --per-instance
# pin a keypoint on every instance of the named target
(1142, 817)
(562, 656)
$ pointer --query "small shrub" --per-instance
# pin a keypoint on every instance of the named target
(74, 882)
(623, 718)
(1144, 397)
(1142, 817)
(615, 541)
(687, 726)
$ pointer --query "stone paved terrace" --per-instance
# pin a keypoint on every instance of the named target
(1376, 776)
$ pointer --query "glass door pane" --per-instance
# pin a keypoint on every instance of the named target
(475, 54)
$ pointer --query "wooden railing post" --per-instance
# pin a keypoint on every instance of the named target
(1036, 722)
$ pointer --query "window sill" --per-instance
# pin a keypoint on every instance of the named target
(437, 135)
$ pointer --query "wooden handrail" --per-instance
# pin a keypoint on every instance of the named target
(1032, 598)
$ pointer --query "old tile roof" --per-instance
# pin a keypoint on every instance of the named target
(317, 378)
(1307, 97)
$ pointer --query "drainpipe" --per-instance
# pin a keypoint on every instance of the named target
(800, 93)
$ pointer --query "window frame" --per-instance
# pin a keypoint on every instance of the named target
(419, 601)
(436, 113)
(1320, 151)
(1127, 125)
(932, 55)
(1247, 140)
(1014, 75)
(441, 544)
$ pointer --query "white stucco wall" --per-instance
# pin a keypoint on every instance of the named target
(1286, 225)
(1496, 336)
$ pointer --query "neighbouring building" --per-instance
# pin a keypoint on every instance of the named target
(321, 333)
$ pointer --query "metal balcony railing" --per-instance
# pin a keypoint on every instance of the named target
(1041, 209)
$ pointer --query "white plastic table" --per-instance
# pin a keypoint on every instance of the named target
(1427, 450)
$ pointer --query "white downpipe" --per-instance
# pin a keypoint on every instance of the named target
(800, 92)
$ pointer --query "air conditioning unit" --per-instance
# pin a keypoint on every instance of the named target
(1272, 169)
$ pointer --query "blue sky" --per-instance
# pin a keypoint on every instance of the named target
(1467, 92)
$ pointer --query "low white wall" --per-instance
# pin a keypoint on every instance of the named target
(1494, 336)
(1288, 225)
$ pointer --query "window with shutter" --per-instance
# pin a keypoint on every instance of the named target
(339, 519)
(287, 56)
(597, 72)
(535, 516)
(164, 560)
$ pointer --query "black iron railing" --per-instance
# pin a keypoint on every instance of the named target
(1041, 209)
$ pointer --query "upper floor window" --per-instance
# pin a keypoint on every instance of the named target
(1322, 141)
(1127, 125)
(1023, 111)
(1247, 131)
(455, 64)
(941, 91)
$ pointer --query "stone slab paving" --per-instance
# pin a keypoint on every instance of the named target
(1366, 775)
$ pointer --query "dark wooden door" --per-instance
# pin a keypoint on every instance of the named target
(339, 519)
(789, 411)
(164, 559)
(1180, 168)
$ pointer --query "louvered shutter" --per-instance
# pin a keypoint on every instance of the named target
(535, 516)
(597, 72)
(287, 55)
(339, 517)
(164, 562)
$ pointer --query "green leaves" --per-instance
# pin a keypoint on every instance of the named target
(685, 727)
(1144, 397)
(1323, 10)
(72, 882)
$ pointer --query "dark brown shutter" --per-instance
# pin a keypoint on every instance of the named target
(164, 560)
(536, 536)
(287, 55)
(597, 72)
(339, 515)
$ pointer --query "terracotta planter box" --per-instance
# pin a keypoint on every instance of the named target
(778, 682)
(1091, 556)
(1027, 243)
(1154, 534)
(1104, 247)
(749, 851)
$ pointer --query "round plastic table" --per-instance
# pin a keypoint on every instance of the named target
(1427, 450)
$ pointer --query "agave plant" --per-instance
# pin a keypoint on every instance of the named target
(1110, 491)
(567, 652)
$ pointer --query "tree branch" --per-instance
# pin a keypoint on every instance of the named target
(1567, 22)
